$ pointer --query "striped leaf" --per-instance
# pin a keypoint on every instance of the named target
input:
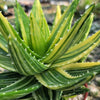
(38, 42)
(24, 61)
(24, 24)
(26, 98)
(2, 52)
(3, 43)
(19, 88)
(8, 30)
(2, 27)
(59, 79)
(60, 23)
(5, 62)
(44, 93)
(40, 19)
(40, 94)
(78, 51)
(88, 23)
(63, 30)
(73, 92)
(65, 43)
(70, 76)
(84, 30)
(8, 78)
(58, 15)
(17, 25)
(77, 69)
(5, 27)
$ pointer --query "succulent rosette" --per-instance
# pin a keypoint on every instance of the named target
(44, 64)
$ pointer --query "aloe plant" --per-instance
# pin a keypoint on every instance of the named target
(44, 65)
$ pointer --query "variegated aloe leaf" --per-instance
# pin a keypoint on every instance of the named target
(46, 94)
(24, 24)
(78, 51)
(58, 16)
(7, 30)
(30, 62)
(8, 78)
(17, 26)
(19, 87)
(65, 43)
(40, 19)
(60, 78)
(62, 26)
(84, 31)
(82, 68)
(26, 98)
(64, 29)
(5, 62)
(25, 62)
(2, 52)
(37, 38)
(73, 92)
(38, 28)
(3, 43)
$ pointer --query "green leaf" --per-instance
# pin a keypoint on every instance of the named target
(24, 24)
(70, 76)
(77, 69)
(8, 78)
(59, 79)
(3, 27)
(8, 30)
(37, 39)
(40, 94)
(3, 43)
(58, 95)
(78, 51)
(65, 43)
(62, 31)
(24, 61)
(19, 88)
(77, 91)
(28, 98)
(84, 30)
(44, 93)
(58, 15)
(2, 52)
(83, 33)
(70, 9)
(40, 19)
(17, 25)
(5, 62)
